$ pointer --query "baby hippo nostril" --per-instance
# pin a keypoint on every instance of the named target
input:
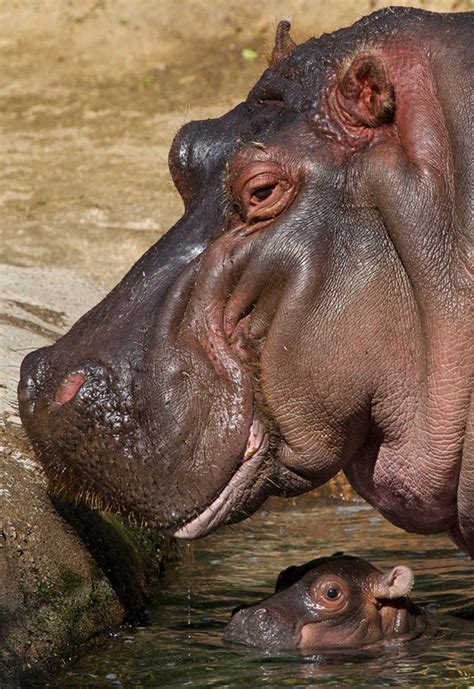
(261, 622)
(69, 387)
(261, 613)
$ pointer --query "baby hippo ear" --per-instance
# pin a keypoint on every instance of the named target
(395, 584)
(365, 92)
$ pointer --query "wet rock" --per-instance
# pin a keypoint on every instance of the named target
(66, 572)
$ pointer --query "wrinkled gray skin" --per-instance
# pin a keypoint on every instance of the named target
(330, 603)
(310, 312)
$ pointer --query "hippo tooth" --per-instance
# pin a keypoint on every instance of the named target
(255, 439)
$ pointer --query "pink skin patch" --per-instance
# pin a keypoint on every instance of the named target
(68, 388)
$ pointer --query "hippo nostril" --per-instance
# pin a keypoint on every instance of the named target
(262, 621)
(261, 613)
(69, 387)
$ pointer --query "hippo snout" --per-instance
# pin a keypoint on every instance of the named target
(261, 626)
(82, 403)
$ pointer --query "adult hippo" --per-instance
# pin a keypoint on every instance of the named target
(309, 312)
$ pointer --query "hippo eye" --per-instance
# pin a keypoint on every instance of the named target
(261, 190)
(263, 193)
(264, 197)
(332, 593)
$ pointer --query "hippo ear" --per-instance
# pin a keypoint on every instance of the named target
(395, 584)
(365, 92)
(284, 44)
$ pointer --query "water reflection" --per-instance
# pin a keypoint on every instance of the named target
(183, 645)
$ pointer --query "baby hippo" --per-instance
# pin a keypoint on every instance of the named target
(329, 603)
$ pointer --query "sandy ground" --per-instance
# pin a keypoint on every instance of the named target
(91, 95)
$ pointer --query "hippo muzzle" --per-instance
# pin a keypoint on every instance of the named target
(263, 627)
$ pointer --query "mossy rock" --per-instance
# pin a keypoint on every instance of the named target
(67, 572)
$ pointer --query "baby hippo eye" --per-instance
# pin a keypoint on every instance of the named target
(332, 593)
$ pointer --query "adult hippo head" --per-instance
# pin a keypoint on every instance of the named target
(310, 310)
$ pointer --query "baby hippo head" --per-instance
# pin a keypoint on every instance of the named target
(329, 603)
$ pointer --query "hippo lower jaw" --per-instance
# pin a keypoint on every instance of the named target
(234, 494)
(260, 474)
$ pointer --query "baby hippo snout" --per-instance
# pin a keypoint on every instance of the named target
(260, 626)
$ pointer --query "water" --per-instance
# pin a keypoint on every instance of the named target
(183, 645)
